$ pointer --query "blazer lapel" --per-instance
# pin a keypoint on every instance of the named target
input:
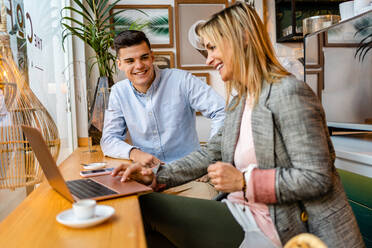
(232, 128)
(263, 130)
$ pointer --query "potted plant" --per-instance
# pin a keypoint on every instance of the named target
(95, 30)
(92, 25)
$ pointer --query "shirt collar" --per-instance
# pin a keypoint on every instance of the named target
(153, 86)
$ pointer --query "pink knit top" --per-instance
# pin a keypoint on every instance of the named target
(260, 185)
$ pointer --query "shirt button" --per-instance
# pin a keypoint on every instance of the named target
(154, 131)
(150, 113)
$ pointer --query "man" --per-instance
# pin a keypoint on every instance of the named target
(156, 106)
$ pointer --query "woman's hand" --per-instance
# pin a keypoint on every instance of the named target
(225, 177)
(135, 171)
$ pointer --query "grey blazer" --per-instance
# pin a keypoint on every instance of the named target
(290, 134)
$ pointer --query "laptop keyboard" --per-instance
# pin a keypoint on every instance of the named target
(87, 188)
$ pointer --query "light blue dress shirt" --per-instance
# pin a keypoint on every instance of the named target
(162, 121)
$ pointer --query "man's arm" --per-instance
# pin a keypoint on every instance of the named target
(114, 133)
(115, 130)
(206, 100)
(144, 158)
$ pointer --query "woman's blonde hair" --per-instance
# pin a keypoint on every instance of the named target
(253, 57)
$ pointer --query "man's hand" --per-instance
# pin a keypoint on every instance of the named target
(203, 179)
(136, 171)
(225, 177)
(138, 156)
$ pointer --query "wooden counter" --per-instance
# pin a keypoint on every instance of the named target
(33, 223)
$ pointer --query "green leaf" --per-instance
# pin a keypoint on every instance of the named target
(122, 22)
(159, 25)
(84, 15)
(364, 29)
(96, 30)
(108, 9)
(90, 3)
(73, 20)
(110, 17)
(102, 5)
(82, 8)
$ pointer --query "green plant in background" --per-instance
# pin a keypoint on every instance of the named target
(95, 30)
(158, 25)
(364, 29)
(91, 22)
(124, 23)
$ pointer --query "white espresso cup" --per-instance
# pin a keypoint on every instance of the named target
(84, 209)
(346, 10)
(360, 6)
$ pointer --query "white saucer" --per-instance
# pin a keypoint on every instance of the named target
(68, 218)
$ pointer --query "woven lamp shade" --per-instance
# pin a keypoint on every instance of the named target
(19, 106)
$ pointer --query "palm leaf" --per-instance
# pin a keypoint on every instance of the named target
(138, 25)
(364, 47)
(72, 31)
(366, 51)
(73, 20)
(159, 25)
(122, 22)
(82, 8)
(111, 16)
(90, 3)
(107, 10)
(94, 29)
(76, 11)
(102, 5)
(362, 26)
(364, 29)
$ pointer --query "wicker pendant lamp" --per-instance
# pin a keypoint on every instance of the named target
(19, 106)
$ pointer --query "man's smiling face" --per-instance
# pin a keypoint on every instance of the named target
(137, 63)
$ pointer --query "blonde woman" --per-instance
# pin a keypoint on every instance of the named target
(273, 157)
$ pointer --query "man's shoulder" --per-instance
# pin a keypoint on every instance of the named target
(176, 77)
(121, 85)
(181, 77)
(174, 72)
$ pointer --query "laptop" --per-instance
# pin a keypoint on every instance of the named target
(97, 188)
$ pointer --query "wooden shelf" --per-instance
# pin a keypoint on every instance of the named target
(290, 13)
(297, 37)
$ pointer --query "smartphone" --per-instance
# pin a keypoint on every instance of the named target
(93, 173)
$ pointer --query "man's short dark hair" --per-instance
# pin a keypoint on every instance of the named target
(129, 38)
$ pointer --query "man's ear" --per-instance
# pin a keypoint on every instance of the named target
(118, 63)
(152, 56)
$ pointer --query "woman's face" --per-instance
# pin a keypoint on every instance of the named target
(220, 59)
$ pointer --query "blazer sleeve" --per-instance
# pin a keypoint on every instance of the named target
(192, 166)
(300, 121)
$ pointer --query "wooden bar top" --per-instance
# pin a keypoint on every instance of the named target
(33, 223)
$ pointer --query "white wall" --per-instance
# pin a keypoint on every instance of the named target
(203, 124)
(80, 79)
